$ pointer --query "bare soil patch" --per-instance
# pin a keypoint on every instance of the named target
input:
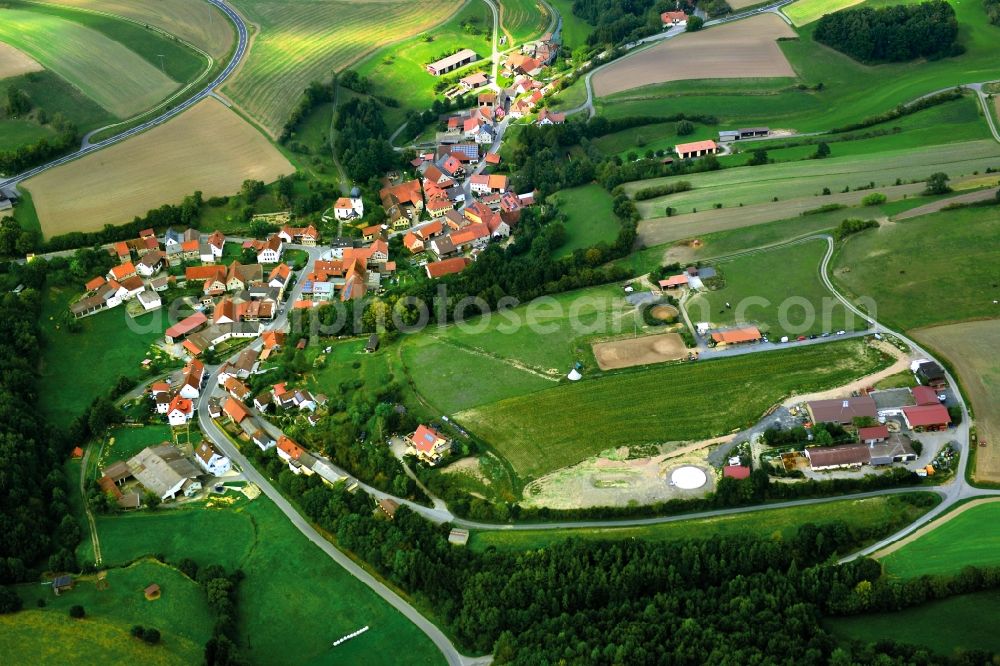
(639, 351)
(15, 63)
(742, 49)
(971, 348)
(612, 479)
(905, 541)
(664, 312)
(207, 148)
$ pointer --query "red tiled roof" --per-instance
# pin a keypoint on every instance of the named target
(925, 395)
(694, 146)
(287, 445)
(179, 403)
(235, 409)
(873, 432)
(425, 438)
(203, 272)
(436, 269)
(492, 158)
(674, 280)
(927, 415)
(95, 283)
(185, 326)
(748, 334)
(736, 472)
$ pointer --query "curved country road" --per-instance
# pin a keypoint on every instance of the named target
(238, 54)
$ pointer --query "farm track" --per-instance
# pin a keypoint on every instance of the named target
(95, 539)
(517, 365)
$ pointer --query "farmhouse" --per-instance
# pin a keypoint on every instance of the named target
(926, 417)
(837, 457)
(695, 149)
(150, 264)
(122, 271)
(303, 235)
(673, 18)
(179, 411)
(348, 208)
(164, 471)
(194, 376)
(452, 62)
(427, 445)
(842, 411)
(737, 336)
(235, 410)
(150, 300)
(211, 460)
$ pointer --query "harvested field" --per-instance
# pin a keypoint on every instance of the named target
(198, 23)
(971, 348)
(300, 42)
(659, 230)
(639, 351)
(107, 72)
(742, 49)
(15, 63)
(207, 148)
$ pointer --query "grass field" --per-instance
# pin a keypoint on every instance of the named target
(915, 283)
(283, 571)
(807, 11)
(734, 50)
(522, 20)
(208, 148)
(198, 23)
(851, 91)
(560, 426)
(52, 94)
(971, 349)
(589, 219)
(970, 537)
(657, 136)
(94, 358)
(398, 70)
(520, 350)
(961, 617)
(300, 42)
(795, 300)
(793, 180)
(180, 614)
(875, 512)
(130, 441)
(120, 80)
(574, 29)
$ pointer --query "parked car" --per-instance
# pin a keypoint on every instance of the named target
(841, 332)
(801, 338)
(826, 335)
(813, 336)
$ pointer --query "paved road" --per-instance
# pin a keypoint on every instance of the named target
(238, 53)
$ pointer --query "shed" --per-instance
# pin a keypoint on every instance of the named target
(62, 583)
(372, 345)
(458, 537)
(152, 592)
(874, 434)
(925, 395)
(388, 507)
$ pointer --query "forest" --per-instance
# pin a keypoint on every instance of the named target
(362, 142)
(892, 34)
(34, 514)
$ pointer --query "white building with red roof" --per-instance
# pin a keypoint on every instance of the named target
(428, 445)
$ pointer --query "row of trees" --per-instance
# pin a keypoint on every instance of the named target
(316, 93)
(735, 599)
(616, 22)
(892, 34)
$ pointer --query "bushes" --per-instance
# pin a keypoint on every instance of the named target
(661, 190)
(76, 612)
(902, 110)
(937, 183)
(825, 208)
(853, 226)
(684, 128)
(694, 24)
(874, 199)
(892, 34)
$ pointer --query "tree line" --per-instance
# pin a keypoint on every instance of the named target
(892, 34)
(732, 599)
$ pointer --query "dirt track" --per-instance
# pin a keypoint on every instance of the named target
(639, 351)
(935, 206)
(742, 49)
(892, 548)
(15, 63)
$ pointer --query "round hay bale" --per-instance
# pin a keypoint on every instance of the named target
(688, 477)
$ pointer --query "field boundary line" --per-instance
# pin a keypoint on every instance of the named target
(91, 523)
(931, 526)
(496, 357)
